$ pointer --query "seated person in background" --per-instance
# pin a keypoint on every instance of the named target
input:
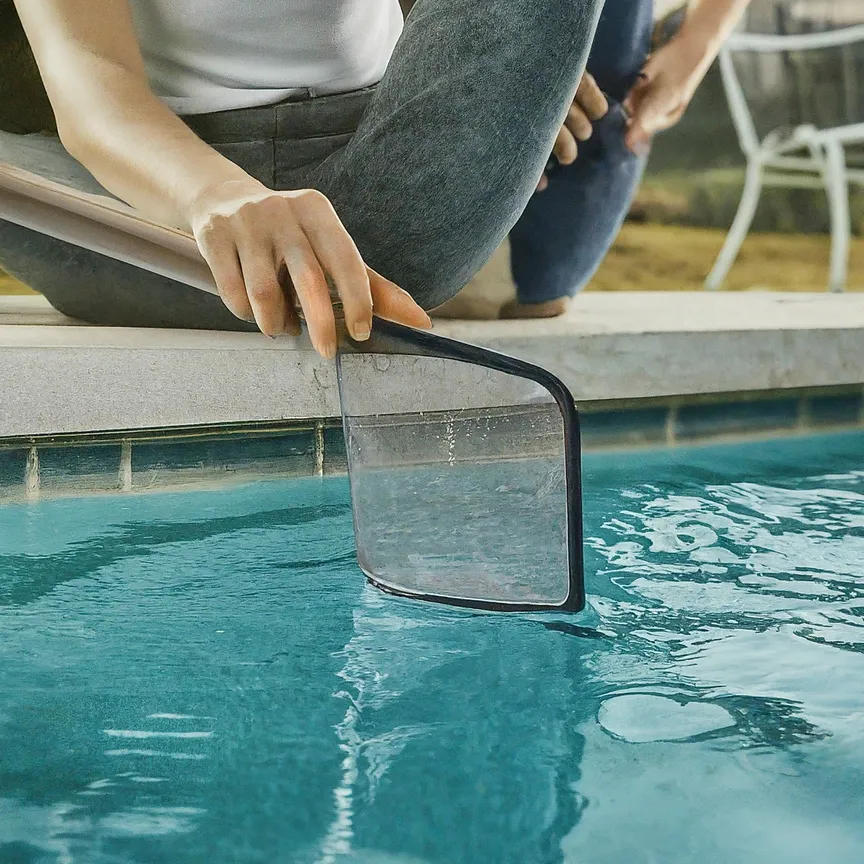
(564, 233)
(314, 144)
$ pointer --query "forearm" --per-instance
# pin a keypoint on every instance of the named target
(708, 24)
(109, 118)
(137, 148)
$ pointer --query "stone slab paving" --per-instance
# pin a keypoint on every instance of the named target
(58, 376)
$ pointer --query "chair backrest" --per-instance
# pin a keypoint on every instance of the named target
(782, 81)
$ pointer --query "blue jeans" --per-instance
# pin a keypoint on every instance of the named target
(566, 231)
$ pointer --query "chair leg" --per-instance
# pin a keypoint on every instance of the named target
(837, 189)
(740, 226)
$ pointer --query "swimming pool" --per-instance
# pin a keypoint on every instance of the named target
(204, 676)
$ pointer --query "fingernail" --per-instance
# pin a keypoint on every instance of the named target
(329, 350)
(362, 331)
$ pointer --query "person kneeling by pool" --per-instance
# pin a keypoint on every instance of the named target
(315, 144)
(646, 62)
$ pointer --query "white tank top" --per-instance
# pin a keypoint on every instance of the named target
(215, 55)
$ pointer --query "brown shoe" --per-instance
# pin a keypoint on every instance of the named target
(549, 309)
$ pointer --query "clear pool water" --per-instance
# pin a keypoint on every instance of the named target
(204, 677)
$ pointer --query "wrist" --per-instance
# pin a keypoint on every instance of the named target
(213, 194)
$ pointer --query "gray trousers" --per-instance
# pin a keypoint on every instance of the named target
(428, 171)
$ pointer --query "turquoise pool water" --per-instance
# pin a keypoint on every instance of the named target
(204, 677)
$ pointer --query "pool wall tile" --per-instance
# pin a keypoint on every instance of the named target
(335, 453)
(622, 427)
(835, 410)
(13, 464)
(64, 470)
(138, 462)
(161, 463)
(713, 419)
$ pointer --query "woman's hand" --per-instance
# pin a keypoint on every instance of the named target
(661, 95)
(271, 252)
(672, 74)
(589, 106)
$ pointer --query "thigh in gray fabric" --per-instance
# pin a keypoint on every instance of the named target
(295, 159)
(456, 137)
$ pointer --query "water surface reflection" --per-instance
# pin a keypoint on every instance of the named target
(204, 677)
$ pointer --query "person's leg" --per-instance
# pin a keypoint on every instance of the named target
(457, 135)
(566, 231)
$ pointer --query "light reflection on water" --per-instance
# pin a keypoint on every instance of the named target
(204, 676)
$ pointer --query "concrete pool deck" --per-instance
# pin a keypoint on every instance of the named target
(60, 377)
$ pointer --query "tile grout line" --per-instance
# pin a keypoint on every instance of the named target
(118, 476)
(319, 448)
(804, 421)
(671, 424)
(126, 466)
(31, 474)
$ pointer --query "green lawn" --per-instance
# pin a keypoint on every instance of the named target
(671, 258)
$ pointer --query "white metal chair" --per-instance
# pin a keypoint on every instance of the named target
(808, 155)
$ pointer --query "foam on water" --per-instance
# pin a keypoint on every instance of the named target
(205, 677)
(639, 718)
